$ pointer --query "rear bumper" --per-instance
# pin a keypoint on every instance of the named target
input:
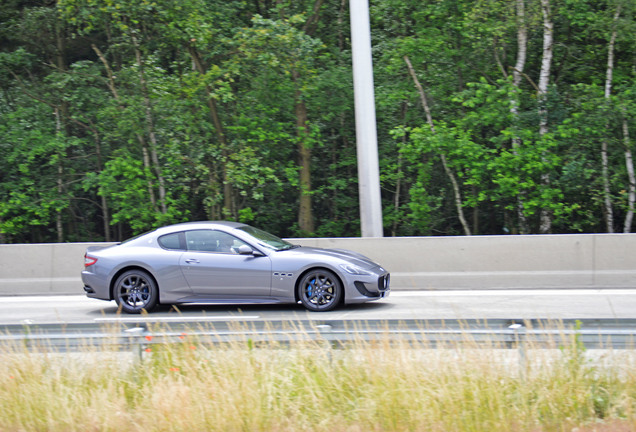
(94, 286)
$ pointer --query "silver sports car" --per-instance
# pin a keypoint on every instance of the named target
(227, 262)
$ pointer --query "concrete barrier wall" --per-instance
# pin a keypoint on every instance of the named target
(499, 262)
(432, 263)
(42, 269)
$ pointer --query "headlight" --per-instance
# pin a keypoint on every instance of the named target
(355, 270)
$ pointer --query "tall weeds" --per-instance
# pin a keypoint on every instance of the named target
(388, 384)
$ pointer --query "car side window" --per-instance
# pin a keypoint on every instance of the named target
(212, 241)
(171, 241)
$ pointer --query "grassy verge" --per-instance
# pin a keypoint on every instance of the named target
(386, 385)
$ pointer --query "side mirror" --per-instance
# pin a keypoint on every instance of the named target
(247, 250)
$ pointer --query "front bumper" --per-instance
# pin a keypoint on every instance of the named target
(374, 290)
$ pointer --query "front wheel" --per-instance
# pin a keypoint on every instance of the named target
(135, 291)
(320, 290)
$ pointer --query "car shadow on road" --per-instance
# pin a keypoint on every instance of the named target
(269, 308)
(263, 311)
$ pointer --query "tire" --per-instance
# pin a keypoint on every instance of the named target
(135, 291)
(320, 290)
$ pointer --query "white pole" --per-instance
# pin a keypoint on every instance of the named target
(366, 133)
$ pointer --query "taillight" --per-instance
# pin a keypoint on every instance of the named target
(89, 261)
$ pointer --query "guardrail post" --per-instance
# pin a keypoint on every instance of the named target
(137, 333)
(519, 332)
(324, 330)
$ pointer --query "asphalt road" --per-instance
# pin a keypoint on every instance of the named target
(400, 305)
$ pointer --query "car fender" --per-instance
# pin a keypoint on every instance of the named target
(288, 270)
(172, 281)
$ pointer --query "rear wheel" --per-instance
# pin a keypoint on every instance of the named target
(320, 290)
(136, 290)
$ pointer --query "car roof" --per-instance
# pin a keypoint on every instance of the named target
(199, 225)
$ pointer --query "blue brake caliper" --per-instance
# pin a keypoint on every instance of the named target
(310, 287)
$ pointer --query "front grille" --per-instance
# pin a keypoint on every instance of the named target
(383, 282)
(383, 286)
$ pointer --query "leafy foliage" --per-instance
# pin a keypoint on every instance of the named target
(117, 116)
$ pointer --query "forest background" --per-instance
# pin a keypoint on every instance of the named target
(494, 116)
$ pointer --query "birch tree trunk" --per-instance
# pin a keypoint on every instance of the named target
(608, 210)
(449, 172)
(629, 162)
(544, 81)
(517, 73)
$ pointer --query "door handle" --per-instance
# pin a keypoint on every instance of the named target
(192, 261)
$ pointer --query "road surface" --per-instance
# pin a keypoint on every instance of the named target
(400, 305)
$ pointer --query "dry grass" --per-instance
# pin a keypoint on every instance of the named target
(386, 385)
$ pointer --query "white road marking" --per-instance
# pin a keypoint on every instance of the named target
(514, 293)
(43, 299)
(394, 293)
(179, 319)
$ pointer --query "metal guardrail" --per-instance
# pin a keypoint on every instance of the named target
(118, 336)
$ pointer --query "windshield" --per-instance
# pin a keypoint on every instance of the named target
(266, 239)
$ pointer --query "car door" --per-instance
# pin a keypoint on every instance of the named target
(214, 269)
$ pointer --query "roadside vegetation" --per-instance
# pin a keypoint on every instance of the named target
(493, 116)
(390, 384)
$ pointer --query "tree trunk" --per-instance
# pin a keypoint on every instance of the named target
(154, 157)
(100, 167)
(140, 138)
(60, 129)
(607, 200)
(305, 213)
(629, 162)
(398, 183)
(228, 203)
(60, 183)
(544, 80)
(449, 172)
(517, 72)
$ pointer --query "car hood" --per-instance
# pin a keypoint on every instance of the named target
(350, 257)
